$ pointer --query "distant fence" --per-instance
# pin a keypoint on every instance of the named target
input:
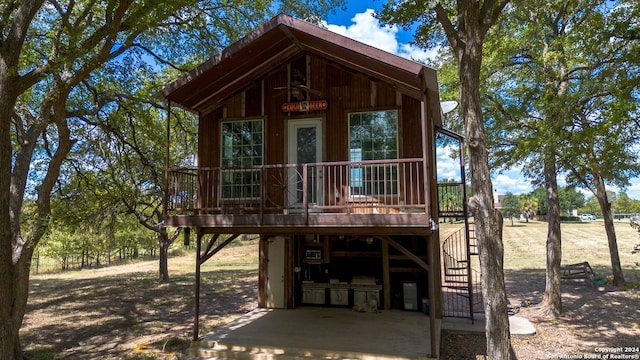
(41, 263)
(631, 217)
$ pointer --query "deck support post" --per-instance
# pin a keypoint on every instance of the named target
(165, 203)
(430, 203)
(196, 315)
(433, 251)
(386, 279)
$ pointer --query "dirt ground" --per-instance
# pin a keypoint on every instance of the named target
(113, 312)
(593, 319)
(108, 313)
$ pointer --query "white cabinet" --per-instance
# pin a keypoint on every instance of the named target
(365, 296)
(313, 294)
(339, 296)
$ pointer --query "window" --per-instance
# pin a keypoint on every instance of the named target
(242, 148)
(373, 136)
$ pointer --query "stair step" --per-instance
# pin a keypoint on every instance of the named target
(457, 268)
(457, 281)
(217, 351)
(457, 287)
(456, 275)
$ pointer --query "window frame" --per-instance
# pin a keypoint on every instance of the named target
(254, 184)
(362, 178)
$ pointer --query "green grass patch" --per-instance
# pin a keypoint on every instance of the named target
(38, 354)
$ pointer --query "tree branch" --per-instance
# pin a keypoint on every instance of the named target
(449, 29)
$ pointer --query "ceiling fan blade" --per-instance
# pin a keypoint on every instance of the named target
(309, 90)
(281, 92)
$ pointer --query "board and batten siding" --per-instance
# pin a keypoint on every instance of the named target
(345, 91)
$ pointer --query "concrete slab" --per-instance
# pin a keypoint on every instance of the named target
(320, 332)
(517, 325)
(520, 326)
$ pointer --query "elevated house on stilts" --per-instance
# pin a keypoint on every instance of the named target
(325, 147)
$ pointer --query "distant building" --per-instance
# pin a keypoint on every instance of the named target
(497, 200)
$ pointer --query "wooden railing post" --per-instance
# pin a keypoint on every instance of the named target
(305, 197)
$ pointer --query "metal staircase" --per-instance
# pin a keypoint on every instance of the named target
(461, 289)
(460, 281)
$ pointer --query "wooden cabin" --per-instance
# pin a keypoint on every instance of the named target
(325, 147)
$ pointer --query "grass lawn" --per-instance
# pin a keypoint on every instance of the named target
(525, 246)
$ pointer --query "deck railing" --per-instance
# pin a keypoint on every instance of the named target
(451, 200)
(382, 187)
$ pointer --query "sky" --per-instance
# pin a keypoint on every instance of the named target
(358, 23)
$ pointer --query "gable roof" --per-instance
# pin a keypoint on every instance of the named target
(277, 41)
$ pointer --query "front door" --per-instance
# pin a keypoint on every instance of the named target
(305, 146)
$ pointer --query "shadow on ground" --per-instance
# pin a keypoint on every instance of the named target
(106, 317)
(593, 317)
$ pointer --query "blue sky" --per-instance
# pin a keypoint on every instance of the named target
(358, 23)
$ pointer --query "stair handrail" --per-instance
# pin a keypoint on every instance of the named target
(451, 256)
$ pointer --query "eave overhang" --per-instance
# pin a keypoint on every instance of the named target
(278, 41)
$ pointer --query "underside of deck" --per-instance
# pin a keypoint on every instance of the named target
(383, 224)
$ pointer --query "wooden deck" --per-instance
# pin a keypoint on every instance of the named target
(369, 197)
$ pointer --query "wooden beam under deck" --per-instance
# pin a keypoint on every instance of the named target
(313, 223)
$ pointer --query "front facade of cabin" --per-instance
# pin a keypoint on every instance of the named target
(325, 147)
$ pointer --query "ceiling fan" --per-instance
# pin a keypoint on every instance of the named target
(298, 91)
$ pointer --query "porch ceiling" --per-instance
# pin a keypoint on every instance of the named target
(276, 42)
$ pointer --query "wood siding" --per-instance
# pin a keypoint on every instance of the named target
(345, 91)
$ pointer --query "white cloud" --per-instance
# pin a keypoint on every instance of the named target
(511, 181)
(367, 29)
(447, 167)
(417, 54)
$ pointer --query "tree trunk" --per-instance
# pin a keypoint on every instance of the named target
(605, 206)
(9, 340)
(165, 242)
(16, 291)
(488, 222)
(552, 299)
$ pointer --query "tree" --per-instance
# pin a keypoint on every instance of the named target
(599, 139)
(528, 205)
(464, 26)
(563, 75)
(591, 206)
(570, 199)
(47, 53)
(625, 205)
(510, 206)
(127, 149)
(635, 223)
